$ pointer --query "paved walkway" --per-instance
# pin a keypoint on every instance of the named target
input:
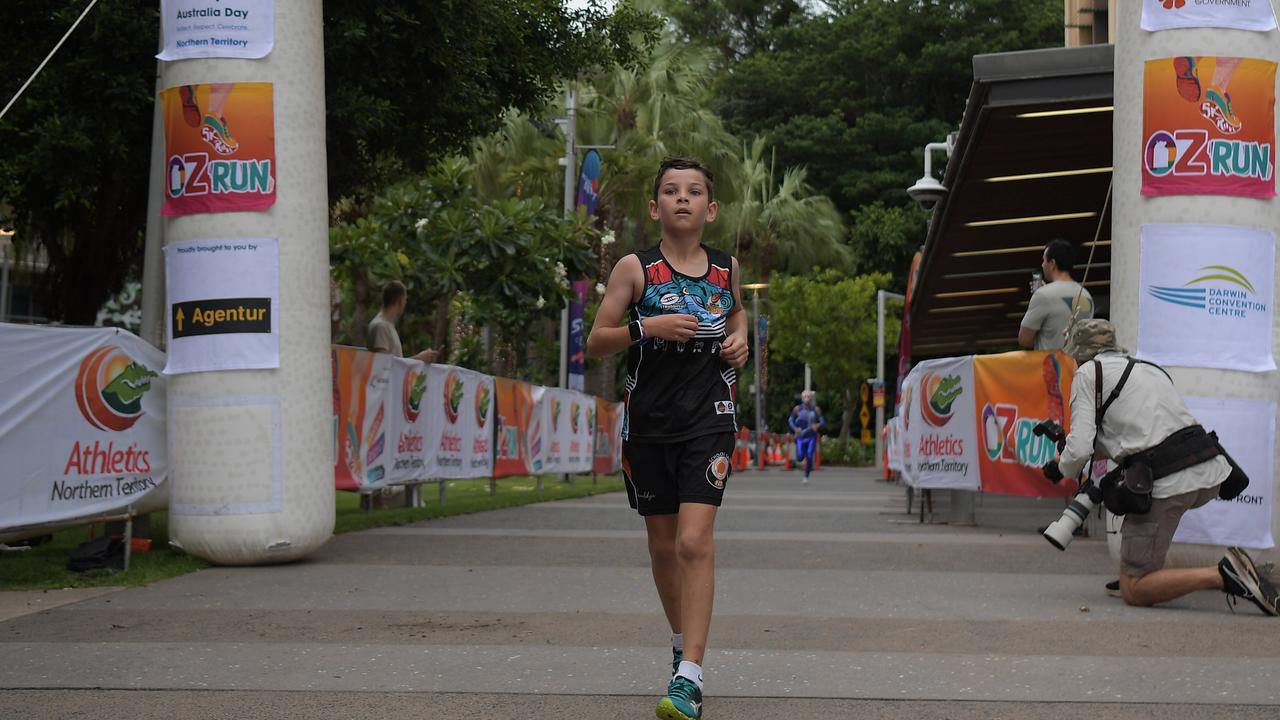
(831, 603)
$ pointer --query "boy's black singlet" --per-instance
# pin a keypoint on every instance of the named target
(676, 391)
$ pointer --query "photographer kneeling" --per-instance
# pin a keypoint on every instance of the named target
(1170, 465)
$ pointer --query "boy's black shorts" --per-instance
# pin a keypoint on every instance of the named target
(660, 476)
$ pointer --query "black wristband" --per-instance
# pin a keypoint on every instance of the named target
(636, 330)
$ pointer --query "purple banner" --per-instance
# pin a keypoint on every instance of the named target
(577, 341)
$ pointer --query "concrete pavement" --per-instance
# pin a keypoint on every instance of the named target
(831, 602)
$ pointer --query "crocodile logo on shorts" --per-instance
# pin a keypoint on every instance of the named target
(718, 470)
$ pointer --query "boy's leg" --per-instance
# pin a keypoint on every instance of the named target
(665, 565)
(696, 552)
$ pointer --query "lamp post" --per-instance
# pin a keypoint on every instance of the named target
(755, 348)
(880, 298)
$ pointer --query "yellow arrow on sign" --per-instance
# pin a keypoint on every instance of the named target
(179, 317)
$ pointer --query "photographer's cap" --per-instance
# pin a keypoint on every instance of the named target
(1087, 338)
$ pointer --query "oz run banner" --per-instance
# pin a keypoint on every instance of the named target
(360, 407)
(1235, 14)
(82, 423)
(1015, 392)
(570, 418)
(608, 446)
(212, 28)
(220, 148)
(1247, 429)
(514, 416)
(224, 304)
(1206, 296)
(1209, 127)
(459, 438)
(941, 443)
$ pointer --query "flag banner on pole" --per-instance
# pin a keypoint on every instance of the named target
(1247, 430)
(82, 424)
(201, 29)
(1234, 14)
(1206, 296)
(1209, 127)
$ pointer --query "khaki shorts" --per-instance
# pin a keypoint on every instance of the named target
(1145, 539)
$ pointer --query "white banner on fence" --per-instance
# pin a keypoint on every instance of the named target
(1237, 14)
(940, 426)
(409, 415)
(224, 304)
(459, 437)
(82, 423)
(1206, 296)
(211, 28)
(893, 444)
(568, 421)
(1247, 429)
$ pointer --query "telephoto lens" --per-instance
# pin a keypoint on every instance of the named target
(1061, 531)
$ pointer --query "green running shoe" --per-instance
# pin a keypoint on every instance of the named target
(676, 657)
(683, 701)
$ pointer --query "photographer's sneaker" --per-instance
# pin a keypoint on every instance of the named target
(683, 700)
(1113, 589)
(1240, 578)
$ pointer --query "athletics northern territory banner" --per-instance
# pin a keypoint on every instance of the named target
(940, 443)
(1247, 429)
(82, 423)
(1208, 126)
(1235, 14)
(569, 418)
(459, 437)
(1207, 295)
(1015, 392)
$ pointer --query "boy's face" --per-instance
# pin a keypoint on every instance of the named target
(683, 202)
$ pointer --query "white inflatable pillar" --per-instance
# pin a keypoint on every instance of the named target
(1134, 46)
(252, 450)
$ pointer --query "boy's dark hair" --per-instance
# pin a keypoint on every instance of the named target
(392, 292)
(1061, 252)
(683, 163)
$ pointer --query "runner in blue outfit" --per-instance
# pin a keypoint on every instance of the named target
(805, 422)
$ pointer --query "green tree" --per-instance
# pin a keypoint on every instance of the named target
(828, 321)
(502, 264)
(406, 82)
(854, 95)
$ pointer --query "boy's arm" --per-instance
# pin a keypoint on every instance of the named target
(626, 282)
(734, 350)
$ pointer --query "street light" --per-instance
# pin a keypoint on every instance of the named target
(755, 335)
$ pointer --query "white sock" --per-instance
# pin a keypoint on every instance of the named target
(677, 641)
(691, 671)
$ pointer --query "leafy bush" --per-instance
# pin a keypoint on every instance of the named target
(852, 453)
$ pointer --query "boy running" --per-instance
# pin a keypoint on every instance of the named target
(685, 338)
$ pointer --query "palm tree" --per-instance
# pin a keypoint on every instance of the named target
(782, 226)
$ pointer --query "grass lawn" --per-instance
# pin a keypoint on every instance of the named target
(44, 567)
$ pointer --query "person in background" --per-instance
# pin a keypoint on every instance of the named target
(1056, 303)
(806, 420)
(382, 335)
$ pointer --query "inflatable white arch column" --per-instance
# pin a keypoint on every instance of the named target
(251, 450)
(1134, 46)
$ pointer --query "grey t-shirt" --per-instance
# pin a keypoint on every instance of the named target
(1050, 311)
(382, 336)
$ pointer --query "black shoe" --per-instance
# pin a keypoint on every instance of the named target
(1113, 588)
(1241, 579)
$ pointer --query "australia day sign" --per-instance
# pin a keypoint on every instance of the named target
(1207, 296)
(217, 28)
